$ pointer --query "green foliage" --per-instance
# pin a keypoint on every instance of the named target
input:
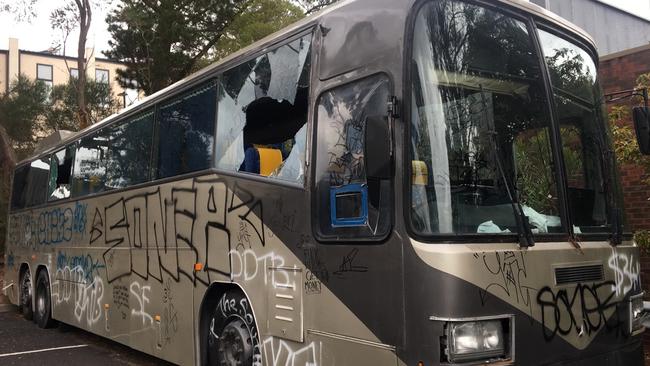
(625, 142)
(642, 239)
(64, 104)
(21, 110)
(253, 24)
(162, 41)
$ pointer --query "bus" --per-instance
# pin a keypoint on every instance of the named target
(387, 182)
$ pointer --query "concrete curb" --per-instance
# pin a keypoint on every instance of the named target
(6, 308)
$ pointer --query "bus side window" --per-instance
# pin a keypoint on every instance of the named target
(186, 132)
(61, 174)
(263, 108)
(350, 205)
(89, 172)
(18, 188)
(129, 158)
(30, 183)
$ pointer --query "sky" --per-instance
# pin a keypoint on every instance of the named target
(38, 36)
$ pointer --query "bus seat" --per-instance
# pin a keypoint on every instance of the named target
(270, 160)
(420, 173)
(251, 163)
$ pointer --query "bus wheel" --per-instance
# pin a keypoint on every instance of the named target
(43, 315)
(233, 338)
(26, 295)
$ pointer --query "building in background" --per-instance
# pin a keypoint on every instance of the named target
(613, 29)
(55, 69)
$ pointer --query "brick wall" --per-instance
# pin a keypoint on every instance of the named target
(619, 72)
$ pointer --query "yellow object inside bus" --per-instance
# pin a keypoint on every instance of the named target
(270, 160)
(420, 173)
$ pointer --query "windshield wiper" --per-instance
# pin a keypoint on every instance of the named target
(524, 230)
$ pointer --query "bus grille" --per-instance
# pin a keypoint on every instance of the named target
(578, 274)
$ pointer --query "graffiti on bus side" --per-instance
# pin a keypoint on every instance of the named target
(84, 264)
(72, 287)
(154, 233)
(49, 227)
(278, 352)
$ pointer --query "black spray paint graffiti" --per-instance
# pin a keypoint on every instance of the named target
(121, 299)
(316, 271)
(170, 234)
(348, 265)
(170, 316)
(583, 310)
(508, 272)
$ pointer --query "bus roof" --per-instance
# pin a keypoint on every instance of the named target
(291, 30)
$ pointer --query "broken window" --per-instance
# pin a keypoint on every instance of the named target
(89, 172)
(61, 174)
(262, 114)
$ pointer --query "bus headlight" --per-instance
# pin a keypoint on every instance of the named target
(636, 314)
(482, 340)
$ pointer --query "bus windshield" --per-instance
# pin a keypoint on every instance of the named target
(481, 126)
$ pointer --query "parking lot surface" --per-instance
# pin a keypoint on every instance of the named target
(23, 343)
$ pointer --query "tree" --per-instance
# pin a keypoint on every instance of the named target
(21, 112)
(253, 24)
(73, 14)
(162, 41)
(312, 6)
(62, 115)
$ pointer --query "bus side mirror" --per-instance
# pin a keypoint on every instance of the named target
(641, 116)
(377, 148)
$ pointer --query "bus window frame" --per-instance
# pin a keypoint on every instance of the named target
(544, 25)
(530, 20)
(349, 78)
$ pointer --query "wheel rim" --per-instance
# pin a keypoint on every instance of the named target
(235, 344)
(26, 291)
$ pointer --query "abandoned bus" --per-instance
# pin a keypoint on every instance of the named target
(388, 182)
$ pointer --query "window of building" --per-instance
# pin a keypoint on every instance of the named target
(61, 174)
(44, 73)
(102, 76)
(129, 155)
(263, 114)
(186, 132)
(74, 73)
(89, 172)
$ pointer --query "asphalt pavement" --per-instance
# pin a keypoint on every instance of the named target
(23, 343)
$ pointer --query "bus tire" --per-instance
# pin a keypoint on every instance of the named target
(26, 295)
(43, 314)
(233, 339)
